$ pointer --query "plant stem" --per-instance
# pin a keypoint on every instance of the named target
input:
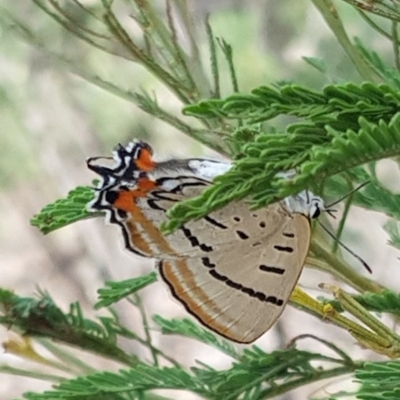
(274, 391)
(31, 374)
(148, 341)
(331, 16)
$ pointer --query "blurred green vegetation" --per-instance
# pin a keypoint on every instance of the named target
(69, 93)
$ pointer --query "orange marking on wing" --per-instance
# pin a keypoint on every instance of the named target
(145, 185)
(126, 198)
(126, 201)
(193, 299)
(145, 162)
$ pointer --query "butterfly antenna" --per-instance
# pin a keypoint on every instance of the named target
(366, 266)
(348, 194)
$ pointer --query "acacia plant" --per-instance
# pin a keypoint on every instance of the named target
(339, 134)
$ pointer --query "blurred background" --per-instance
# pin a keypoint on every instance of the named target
(52, 120)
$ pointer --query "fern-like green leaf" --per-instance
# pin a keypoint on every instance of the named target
(116, 291)
(385, 301)
(64, 211)
(193, 330)
(267, 374)
(342, 105)
(42, 317)
(347, 150)
(379, 381)
(141, 378)
(317, 156)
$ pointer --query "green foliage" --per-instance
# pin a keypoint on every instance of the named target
(188, 328)
(384, 302)
(334, 141)
(64, 211)
(379, 380)
(135, 380)
(116, 291)
(342, 127)
(255, 377)
(373, 196)
(42, 317)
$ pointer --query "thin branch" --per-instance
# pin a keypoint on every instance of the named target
(139, 304)
(214, 59)
(395, 41)
(331, 16)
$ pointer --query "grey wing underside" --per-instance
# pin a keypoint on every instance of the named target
(235, 269)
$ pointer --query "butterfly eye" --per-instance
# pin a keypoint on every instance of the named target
(315, 207)
(315, 211)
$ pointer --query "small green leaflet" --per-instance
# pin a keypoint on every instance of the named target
(116, 291)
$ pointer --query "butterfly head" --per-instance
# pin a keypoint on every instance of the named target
(305, 203)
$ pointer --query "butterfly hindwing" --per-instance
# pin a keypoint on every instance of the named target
(240, 292)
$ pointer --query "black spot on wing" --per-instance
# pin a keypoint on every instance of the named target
(287, 234)
(273, 270)
(286, 249)
(242, 235)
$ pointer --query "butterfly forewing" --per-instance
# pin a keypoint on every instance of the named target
(235, 268)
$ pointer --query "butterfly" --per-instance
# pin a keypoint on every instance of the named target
(234, 269)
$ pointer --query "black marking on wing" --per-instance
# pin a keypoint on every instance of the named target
(193, 182)
(153, 204)
(290, 235)
(258, 295)
(111, 196)
(163, 195)
(207, 263)
(122, 214)
(274, 270)
(262, 224)
(114, 217)
(194, 241)
(238, 286)
(218, 276)
(242, 235)
(214, 222)
(286, 249)
(126, 235)
(237, 219)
